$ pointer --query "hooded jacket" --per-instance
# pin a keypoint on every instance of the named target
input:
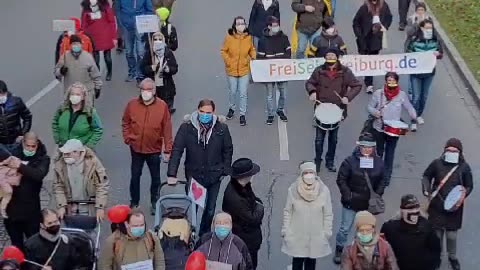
(352, 183)
(236, 52)
(15, 119)
(232, 250)
(25, 203)
(206, 161)
(127, 10)
(324, 42)
(259, 16)
(274, 46)
(96, 181)
(169, 60)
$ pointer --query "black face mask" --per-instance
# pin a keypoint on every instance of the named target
(53, 230)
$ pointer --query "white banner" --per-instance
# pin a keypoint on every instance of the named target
(147, 24)
(63, 25)
(277, 70)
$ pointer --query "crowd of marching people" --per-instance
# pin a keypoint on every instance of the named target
(231, 239)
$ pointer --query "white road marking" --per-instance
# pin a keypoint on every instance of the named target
(42, 93)
(282, 135)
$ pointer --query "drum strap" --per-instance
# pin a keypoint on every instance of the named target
(443, 182)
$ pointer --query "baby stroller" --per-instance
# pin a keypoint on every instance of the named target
(176, 225)
(83, 232)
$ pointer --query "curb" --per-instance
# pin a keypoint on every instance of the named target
(473, 86)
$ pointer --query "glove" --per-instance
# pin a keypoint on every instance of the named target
(97, 93)
(63, 70)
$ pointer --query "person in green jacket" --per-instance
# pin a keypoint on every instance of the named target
(77, 119)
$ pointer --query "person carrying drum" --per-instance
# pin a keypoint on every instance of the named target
(79, 177)
(385, 109)
(447, 182)
(332, 86)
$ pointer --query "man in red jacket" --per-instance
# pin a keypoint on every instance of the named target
(146, 127)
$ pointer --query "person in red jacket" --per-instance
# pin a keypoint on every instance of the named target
(98, 22)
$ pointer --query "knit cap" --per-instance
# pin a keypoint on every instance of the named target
(307, 166)
(364, 218)
(454, 142)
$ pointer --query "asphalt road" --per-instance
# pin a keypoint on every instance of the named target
(27, 65)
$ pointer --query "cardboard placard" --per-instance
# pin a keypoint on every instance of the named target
(63, 25)
(147, 24)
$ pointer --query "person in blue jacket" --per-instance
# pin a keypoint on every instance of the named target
(126, 11)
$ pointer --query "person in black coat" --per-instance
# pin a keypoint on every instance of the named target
(274, 45)
(15, 117)
(362, 166)
(246, 209)
(42, 245)
(452, 168)
(206, 139)
(23, 211)
(161, 68)
(413, 240)
(370, 23)
(259, 16)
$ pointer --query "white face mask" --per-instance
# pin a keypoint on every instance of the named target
(74, 99)
(309, 178)
(69, 160)
(451, 157)
(427, 33)
(330, 31)
(3, 99)
(158, 46)
(147, 95)
(275, 29)
(240, 28)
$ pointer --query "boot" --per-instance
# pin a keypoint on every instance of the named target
(455, 264)
(337, 259)
(108, 63)
(318, 166)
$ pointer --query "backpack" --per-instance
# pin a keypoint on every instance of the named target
(118, 247)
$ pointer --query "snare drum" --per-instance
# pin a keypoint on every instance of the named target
(395, 128)
(328, 116)
(454, 198)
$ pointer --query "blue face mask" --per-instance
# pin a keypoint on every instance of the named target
(205, 118)
(28, 153)
(76, 48)
(222, 232)
(137, 231)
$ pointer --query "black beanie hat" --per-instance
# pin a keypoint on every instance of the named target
(454, 142)
(332, 50)
(271, 20)
(11, 263)
(75, 38)
(409, 201)
(366, 139)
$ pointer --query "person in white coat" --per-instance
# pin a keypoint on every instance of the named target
(307, 219)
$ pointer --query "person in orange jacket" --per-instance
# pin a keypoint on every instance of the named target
(63, 42)
(237, 51)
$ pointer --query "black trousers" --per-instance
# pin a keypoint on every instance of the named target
(303, 263)
(403, 6)
(368, 80)
(153, 162)
(19, 231)
(254, 256)
(107, 55)
(166, 95)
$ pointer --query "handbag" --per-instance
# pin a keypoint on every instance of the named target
(368, 124)
(437, 190)
(376, 204)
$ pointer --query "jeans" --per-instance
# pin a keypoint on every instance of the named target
(368, 80)
(451, 242)
(403, 6)
(107, 56)
(320, 135)
(19, 231)
(238, 85)
(420, 88)
(255, 42)
(348, 217)
(386, 145)
(135, 49)
(303, 263)
(270, 87)
(153, 163)
(333, 3)
(303, 41)
(209, 211)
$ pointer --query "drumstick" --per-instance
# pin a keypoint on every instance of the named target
(318, 101)
(340, 97)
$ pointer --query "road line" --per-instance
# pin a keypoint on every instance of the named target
(42, 92)
(282, 135)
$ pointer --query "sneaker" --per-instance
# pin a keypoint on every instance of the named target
(130, 78)
(413, 127)
(331, 168)
(401, 27)
(152, 210)
(369, 89)
(282, 116)
(108, 77)
(420, 120)
(270, 120)
(455, 264)
(230, 114)
(337, 258)
(243, 121)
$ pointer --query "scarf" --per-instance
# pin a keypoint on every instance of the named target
(204, 131)
(374, 9)
(267, 4)
(308, 192)
(391, 93)
(368, 249)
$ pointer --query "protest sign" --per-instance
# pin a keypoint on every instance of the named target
(147, 24)
(198, 193)
(63, 25)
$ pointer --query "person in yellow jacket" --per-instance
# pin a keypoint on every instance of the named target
(237, 51)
